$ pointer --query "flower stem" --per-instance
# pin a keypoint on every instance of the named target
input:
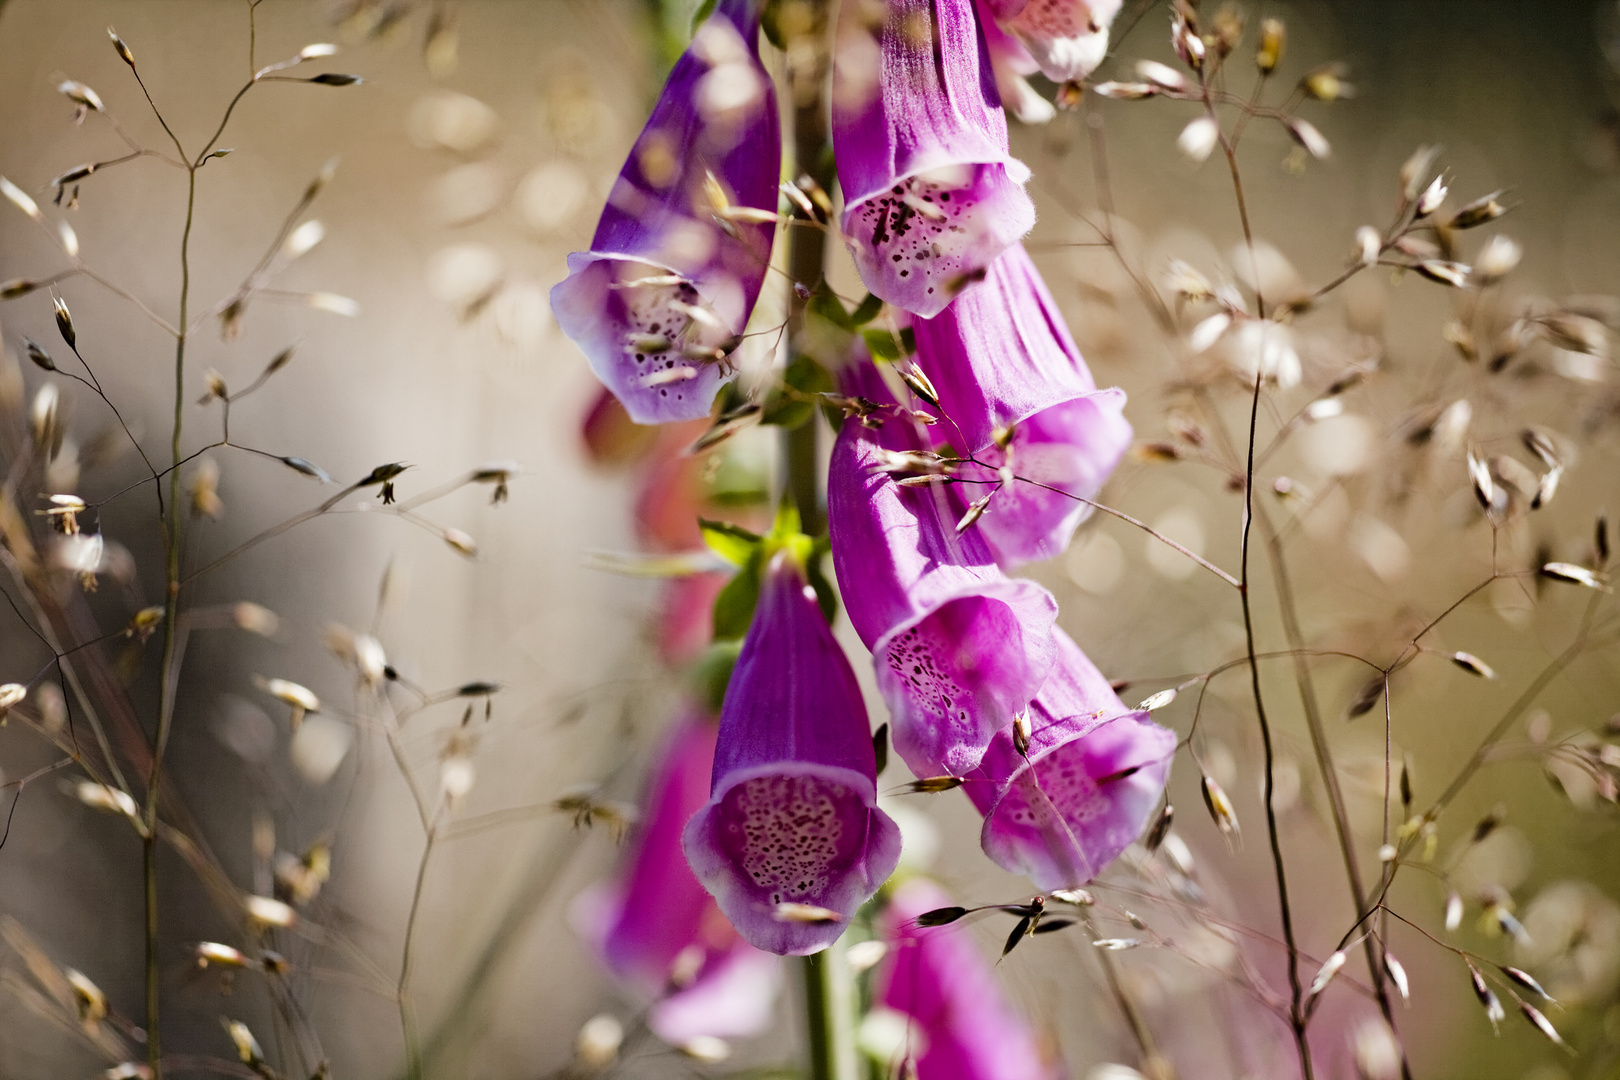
(829, 1014)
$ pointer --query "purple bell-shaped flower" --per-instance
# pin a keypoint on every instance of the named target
(960, 1025)
(931, 194)
(959, 647)
(792, 823)
(680, 253)
(1082, 790)
(1016, 393)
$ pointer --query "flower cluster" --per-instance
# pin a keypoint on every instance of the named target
(981, 456)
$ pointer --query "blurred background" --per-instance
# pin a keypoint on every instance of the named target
(472, 159)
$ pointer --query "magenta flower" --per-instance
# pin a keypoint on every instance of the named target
(669, 282)
(659, 931)
(1067, 38)
(959, 648)
(962, 1027)
(1072, 447)
(792, 816)
(931, 195)
(1091, 779)
(1000, 353)
(1002, 360)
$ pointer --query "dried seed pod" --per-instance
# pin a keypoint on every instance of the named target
(941, 916)
(1160, 829)
(1116, 944)
(1306, 134)
(1444, 272)
(1575, 575)
(934, 784)
(64, 323)
(1433, 196)
(1326, 83)
(1473, 665)
(269, 912)
(1454, 911)
(1484, 487)
(1525, 980)
(1546, 488)
(1397, 975)
(1324, 975)
(1157, 701)
(1481, 210)
(804, 913)
(20, 199)
(1221, 809)
(974, 513)
(1126, 91)
(1542, 1024)
(123, 50)
(1273, 36)
(212, 952)
(1161, 75)
(1487, 998)
(247, 1047)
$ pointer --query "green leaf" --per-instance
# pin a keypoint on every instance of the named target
(734, 607)
(868, 310)
(710, 674)
(805, 377)
(732, 543)
(880, 747)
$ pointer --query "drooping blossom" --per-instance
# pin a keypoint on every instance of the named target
(960, 1024)
(1084, 790)
(657, 929)
(1012, 63)
(1067, 38)
(959, 648)
(931, 193)
(1016, 392)
(792, 816)
(670, 279)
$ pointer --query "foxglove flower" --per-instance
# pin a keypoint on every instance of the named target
(1067, 38)
(959, 648)
(1011, 63)
(670, 279)
(659, 931)
(1083, 790)
(931, 194)
(961, 1026)
(792, 816)
(1016, 393)
(1072, 447)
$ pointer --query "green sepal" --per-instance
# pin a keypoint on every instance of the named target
(732, 543)
(734, 607)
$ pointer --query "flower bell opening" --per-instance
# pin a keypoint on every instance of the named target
(791, 841)
(684, 242)
(931, 193)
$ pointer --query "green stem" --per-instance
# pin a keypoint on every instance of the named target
(829, 1014)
